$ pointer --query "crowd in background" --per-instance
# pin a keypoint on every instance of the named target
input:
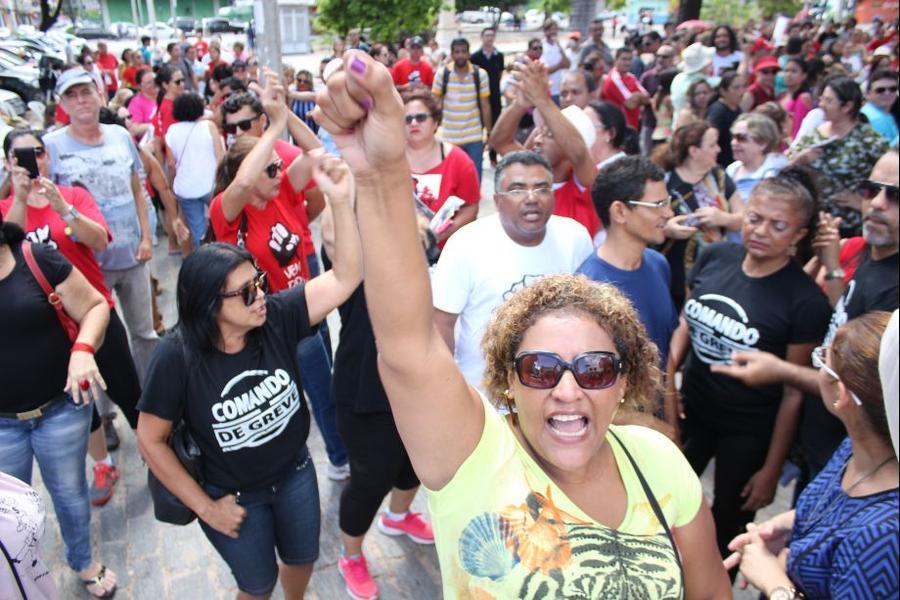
(738, 193)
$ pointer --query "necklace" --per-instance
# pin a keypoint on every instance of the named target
(834, 501)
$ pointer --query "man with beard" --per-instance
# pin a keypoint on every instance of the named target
(489, 259)
(874, 286)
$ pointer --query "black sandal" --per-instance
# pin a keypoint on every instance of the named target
(98, 580)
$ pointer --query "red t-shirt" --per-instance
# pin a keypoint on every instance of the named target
(45, 226)
(212, 65)
(574, 201)
(128, 76)
(109, 64)
(760, 94)
(274, 236)
(612, 93)
(287, 153)
(61, 116)
(453, 176)
(404, 72)
(201, 47)
(163, 119)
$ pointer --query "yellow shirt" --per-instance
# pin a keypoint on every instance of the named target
(462, 118)
(503, 529)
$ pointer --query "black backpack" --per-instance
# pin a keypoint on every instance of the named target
(477, 76)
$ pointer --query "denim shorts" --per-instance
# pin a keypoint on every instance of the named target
(285, 517)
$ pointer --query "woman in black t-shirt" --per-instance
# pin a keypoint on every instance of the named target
(753, 297)
(230, 373)
(705, 201)
(48, 384)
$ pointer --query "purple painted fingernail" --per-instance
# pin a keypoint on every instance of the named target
(366, 104)
(357, 66)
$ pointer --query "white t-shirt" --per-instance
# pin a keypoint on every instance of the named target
(191, 144)
(722, 63)
(552, 56)
(480, 267)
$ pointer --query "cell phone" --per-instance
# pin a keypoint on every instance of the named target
(26, 158)
(692, 221)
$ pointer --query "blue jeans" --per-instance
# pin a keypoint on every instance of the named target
(285, 516)
(58, 439)
(475, 150)
(194, 210)
(314, 361)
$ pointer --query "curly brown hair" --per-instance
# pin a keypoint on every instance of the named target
(601, 302)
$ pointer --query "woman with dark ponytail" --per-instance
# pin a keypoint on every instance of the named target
(170, 83)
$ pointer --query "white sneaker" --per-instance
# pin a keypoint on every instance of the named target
(338, 473)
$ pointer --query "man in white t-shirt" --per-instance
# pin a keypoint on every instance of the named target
(489, 259)
(727, 55)
(554, 57)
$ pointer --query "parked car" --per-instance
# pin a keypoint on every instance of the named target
(123, 30)
(23, 81)
(185, 24)
(213, 25)
(163, 31)
(93, 31)
(14, 103)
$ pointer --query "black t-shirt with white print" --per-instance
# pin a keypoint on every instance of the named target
(729, 311)
(245, 410)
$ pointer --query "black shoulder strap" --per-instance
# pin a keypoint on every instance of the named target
(15, 573)
(477, 77)
(653, 504)
(445, 82)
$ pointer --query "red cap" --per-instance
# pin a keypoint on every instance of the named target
(761, 44)
(766, 62)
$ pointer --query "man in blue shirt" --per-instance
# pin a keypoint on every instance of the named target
(632, 201)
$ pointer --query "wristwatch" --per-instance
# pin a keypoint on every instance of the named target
(783, 593)
(71, 215)
(834, 274)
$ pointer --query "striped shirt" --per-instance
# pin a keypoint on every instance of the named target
(462, 120)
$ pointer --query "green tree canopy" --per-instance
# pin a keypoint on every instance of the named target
(385, 19)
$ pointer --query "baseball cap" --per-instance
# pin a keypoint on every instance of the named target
(75, 76)
(766, 62)
(417, 41)
(239, 64)
(761, 44)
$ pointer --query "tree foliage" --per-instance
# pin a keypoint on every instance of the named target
(385, 19)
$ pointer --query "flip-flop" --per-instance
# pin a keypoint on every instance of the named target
(98, 580)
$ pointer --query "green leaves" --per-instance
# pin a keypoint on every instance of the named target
(384, 19)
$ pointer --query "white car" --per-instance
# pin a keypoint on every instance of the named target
(163, 31)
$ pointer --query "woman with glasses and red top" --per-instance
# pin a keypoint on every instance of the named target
(170, 82)
(440, 169)
(550, 499)
(745, 298)
(229, 371)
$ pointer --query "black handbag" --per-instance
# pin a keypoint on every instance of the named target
(166, 505)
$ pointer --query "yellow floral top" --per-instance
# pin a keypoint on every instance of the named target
(503, 529)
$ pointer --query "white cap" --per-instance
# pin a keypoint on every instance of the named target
(696, 57)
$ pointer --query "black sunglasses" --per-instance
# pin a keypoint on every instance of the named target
(245, 125)
(592, 370)
(273, 168)
(417, 117)
(880, 90)
(248, 290)
(178, 81)
(870, 189)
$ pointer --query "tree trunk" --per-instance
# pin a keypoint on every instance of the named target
(583, 12)
(48, 15)
(689, 9)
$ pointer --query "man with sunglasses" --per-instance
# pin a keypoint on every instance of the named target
(486, 261)
(881, 95)
(874, 286)
(632, 201)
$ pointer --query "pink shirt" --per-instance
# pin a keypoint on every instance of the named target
(142, 109)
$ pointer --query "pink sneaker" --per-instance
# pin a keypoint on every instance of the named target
(413, 526)
(355, 572)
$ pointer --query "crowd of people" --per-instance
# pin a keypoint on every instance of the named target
(694, 257)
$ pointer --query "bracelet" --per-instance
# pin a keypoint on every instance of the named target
(82, 347)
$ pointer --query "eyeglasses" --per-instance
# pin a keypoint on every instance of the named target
(178, 81)
(659, 204)
(767, 71)
(592, 370)
(881, 90)
(248, 291)
(245, 125)
(273, 169)
(665, 56)
(818, 362)
(742, 137)
(303, 81)
(870, 189)
(543, 192)
(417, 117)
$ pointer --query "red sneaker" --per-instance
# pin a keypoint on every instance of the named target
(355, 572)
(105, 478)
(413, 525)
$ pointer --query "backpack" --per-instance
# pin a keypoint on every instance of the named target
(477, 77)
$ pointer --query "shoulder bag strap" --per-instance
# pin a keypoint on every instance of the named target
(69, 325)
(15, 573)
(184, 146)
(445, 82)
(653, 504)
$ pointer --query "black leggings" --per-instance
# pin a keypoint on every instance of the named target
(738, 457)
(378, 463)
(118, 371)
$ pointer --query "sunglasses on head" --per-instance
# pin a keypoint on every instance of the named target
(592, 370)
(888, 88)
(245, 125)
(417, 117)
(870, 189)
(248, 291)
(273, 169)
